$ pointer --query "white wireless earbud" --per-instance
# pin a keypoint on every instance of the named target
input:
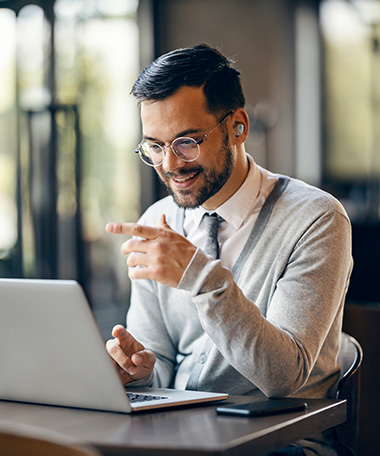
(239, 129)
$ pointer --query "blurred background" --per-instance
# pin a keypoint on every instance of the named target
(69, 127)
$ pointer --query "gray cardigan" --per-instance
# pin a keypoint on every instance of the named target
(272, 324)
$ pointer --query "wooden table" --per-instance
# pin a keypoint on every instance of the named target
(195, 430)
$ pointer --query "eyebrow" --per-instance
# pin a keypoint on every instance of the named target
(181, 134)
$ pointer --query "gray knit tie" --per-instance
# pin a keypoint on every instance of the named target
(212, 222)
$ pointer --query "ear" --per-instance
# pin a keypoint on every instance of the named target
(240, 126)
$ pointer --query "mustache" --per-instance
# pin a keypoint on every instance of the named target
(183, 172)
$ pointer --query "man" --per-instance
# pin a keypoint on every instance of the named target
(264, 318)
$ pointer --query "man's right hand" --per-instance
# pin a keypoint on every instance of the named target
(129, 356)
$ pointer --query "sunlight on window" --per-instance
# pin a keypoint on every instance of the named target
(7, 60)
(68, 130)
(32, 41)
(8, 224)
(96, 65)
(348, 91)
(8, 208)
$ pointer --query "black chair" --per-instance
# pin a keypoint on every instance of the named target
(348, 387)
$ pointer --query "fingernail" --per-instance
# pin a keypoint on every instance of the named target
(132, 370)
(137, 359)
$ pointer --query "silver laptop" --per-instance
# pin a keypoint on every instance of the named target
(52, 353)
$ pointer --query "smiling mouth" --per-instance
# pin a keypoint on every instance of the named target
(184, 179)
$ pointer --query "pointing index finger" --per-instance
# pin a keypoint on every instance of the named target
(126, 341)
(119, 228)
(132, 229)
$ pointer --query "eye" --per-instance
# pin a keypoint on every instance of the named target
(185, 143)
(155, 148)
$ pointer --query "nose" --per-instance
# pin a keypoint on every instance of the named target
(171, 161)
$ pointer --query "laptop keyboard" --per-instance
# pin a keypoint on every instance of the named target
(135, 397)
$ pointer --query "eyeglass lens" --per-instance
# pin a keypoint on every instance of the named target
(185, 149)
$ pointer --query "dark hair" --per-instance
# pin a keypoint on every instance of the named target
(198, 66)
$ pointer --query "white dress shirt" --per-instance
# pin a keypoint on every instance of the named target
(240, 213)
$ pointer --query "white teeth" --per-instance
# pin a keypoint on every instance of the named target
(185, 178)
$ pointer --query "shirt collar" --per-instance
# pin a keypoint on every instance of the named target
(236, 209)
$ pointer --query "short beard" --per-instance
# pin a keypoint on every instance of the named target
(214, 181)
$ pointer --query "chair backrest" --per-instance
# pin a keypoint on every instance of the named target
(27, 441)
(348, 387)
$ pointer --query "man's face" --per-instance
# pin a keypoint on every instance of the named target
(184, 114)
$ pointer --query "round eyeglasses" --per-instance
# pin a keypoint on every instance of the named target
(185, 148)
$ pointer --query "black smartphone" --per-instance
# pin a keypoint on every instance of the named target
(262, 408)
